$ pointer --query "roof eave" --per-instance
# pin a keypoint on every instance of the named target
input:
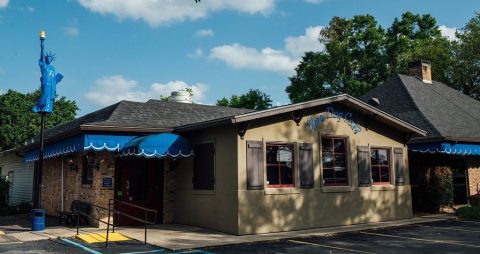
(203, 125)
(447, 139)
(112, 128)
(394, 121)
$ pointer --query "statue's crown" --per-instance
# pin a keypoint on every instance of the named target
(51, 56)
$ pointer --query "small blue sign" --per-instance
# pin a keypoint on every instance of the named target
(107, 182)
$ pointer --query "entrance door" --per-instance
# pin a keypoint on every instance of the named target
(459, 186)
(139, 182)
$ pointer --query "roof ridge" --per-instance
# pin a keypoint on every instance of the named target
(112, 107)
(198, 104)
(423, 116)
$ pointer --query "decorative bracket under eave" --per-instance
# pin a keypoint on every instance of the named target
(406, 138)
(368, 120)
(242, 129)
(297, 116)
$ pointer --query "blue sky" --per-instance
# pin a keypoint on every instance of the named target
(109, 50)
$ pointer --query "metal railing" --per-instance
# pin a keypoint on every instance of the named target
(77, 214)
(112, 204)
(112, 209)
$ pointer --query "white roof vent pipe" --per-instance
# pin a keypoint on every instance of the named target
(180, 96)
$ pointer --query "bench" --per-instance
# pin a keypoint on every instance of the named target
(78, 207)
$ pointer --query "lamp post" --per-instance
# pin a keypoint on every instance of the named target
(44, 106)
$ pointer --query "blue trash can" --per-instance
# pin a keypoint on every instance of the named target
(38, 219)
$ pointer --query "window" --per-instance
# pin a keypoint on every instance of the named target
(334, 162)
(280, 165)
(204, 166)
(380, 164)
(88, 164)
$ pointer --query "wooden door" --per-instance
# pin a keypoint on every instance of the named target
(139, 182)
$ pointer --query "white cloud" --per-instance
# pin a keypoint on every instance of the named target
(72, 31)
(205, 33)
(3, 3)
(297, 46)
(158, 12)
(30, 9)
(112, 89)
(198, 53)
(241, 57)
(282, 60)
(448, 32)
(314, 1)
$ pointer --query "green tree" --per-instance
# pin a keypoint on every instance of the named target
(359, 55)
(415, 37)
(466, 64)
(253, 99)
(19, 124)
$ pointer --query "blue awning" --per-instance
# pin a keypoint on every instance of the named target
(159, 146)
(80, 143)
(446, 148)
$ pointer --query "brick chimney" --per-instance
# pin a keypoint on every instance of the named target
(422, 70)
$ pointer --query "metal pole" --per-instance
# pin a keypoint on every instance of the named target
(78, 221)
(108, 227)
(145, 226)
(38, 175)
(62, 188)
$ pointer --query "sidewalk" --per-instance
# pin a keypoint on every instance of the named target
(179, 237)
(19, 227)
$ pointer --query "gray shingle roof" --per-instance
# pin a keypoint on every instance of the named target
(437, 108)
(150, 114)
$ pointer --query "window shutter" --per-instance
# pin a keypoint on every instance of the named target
(364, 178)
(255, 165)
(305, 157)
(204, 167)
(399, 166)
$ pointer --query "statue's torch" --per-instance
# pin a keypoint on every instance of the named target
(42, 35)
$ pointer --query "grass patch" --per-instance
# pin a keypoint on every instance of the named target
(469, 212)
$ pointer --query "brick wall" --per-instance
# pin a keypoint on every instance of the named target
(474, 175)
(169, 197)
(73, 187)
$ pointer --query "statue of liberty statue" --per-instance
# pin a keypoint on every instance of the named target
(49, 80)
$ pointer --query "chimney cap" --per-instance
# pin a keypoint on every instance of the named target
(419, 63)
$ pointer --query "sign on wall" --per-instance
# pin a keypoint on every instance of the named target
(314, 121)
(107, 182)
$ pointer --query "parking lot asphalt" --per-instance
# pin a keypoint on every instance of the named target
(449, 236)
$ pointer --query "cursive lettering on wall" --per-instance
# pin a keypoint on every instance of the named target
(314, 121)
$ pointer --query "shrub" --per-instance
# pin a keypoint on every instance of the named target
(436, 189)
(469, 212)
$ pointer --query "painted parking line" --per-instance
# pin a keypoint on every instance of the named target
(85, 248)
(10, 243)
(447, 228)
(470, 221)
(331, 247)
(423, 240)
(144, 252)
(194, 251)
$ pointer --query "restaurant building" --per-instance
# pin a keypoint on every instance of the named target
(451, 119)
(326, 162)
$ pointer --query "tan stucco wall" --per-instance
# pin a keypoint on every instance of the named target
(215, 209)
(272, 210)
